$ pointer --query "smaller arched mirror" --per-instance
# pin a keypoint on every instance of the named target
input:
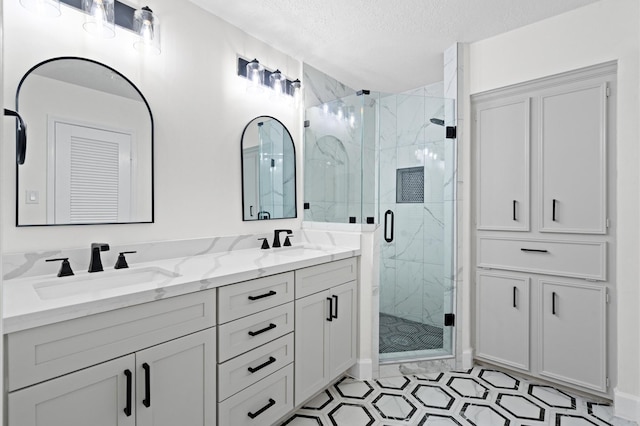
(268, 170)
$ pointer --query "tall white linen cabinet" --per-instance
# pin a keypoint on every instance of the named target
(544, 201)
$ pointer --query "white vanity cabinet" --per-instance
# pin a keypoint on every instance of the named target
(326, 321)
(146, 365)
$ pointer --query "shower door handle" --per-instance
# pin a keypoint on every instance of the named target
(388, 229)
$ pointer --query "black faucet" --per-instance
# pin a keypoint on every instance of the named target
(276, 236)
(96, 264)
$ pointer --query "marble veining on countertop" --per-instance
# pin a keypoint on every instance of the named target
(24, 308)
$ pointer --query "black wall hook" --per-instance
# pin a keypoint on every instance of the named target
(21, 136)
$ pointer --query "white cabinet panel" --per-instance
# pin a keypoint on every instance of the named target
(573, 333)
(573, 160)
(96, 396)
(502, 328)
(322, 277)
(503, 136)
(176, 382)
(343, 329)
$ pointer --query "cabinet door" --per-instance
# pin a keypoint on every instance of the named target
(176, 382)
(502, 329)
(95, 396)
(311, 359)
(573, 160)
(342, 339)
(573, 333)
(502, 135)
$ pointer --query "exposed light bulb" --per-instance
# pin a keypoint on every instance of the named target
(146, 25)
(100, 19)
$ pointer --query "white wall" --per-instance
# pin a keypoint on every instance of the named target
(200, 107)
(604, 31)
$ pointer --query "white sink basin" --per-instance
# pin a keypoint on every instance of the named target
(56, 288)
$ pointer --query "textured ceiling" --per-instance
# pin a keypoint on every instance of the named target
(385, 45)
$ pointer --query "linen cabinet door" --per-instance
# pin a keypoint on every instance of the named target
(102, 395)
(503, 135)
(573, 161)
(573, 333)
(342, 342)
(312, 319)
(176, 382)
(502, 328)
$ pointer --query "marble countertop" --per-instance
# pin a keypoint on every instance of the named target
(25, 308)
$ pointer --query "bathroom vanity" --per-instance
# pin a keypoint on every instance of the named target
(241, 343)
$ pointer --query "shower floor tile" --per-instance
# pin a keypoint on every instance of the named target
(482, 396)
(402, 335)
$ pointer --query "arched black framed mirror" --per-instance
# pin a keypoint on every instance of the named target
(90, 154)
(268, 158)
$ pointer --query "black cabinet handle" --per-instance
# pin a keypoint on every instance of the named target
(262, 296)
(147, 385)
(534, 250)
(388, 237)
(330, 318)
(127, 408)
(553, 303)
(270, 404)
(270, 361)
(271, 326)
(515, 295)
(515, 204)
(335, 316)
(554, 210)
(251, 211)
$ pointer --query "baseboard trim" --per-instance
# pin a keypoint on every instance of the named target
(362, 370)
(626, 406)
(467, 359)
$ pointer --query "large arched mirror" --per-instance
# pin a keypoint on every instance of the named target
(90, 153)
(268, 170)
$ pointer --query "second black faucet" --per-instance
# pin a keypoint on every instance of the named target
(276, 237)
(96, 263)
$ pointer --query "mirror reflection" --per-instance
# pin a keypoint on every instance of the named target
(268, 171)
(90, 153)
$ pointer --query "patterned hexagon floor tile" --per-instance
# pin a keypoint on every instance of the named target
(320, 401)
(552, 397)
(498, 379)
(433, 396)
(468, 387)
(394, 407)
(303, 420)
(395, 383)
(483, 415)
(351, 414)
(573, 420)
(520, 407)
(351, 388)
(604, 413)
(430, 419)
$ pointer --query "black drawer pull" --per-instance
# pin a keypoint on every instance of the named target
(261, 366)
(554, 210)
(335, 316)
(330, 317)
(515, 295)
(553, 303)
(147, 385)
(534, 250)
(255, 333)
(262, 296)
(127, 408)
(271, 403)
(515, 204)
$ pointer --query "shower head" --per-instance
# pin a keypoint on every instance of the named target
(437, 121)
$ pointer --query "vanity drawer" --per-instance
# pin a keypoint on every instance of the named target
(579, 259)
(247, 333)
(245, 370)
(266, 401)
(42, 353)
(246, 298)
(321, 277)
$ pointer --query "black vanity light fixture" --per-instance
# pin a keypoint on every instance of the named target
(258, 77)
(102, 16)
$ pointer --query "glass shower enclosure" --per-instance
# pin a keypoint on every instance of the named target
(384, 159)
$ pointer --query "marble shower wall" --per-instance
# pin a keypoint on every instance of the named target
(276, 177)
(413, 282)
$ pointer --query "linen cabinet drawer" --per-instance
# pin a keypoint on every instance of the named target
(246, 298)
(245, 370)
(42, 353)
(322, 277)
(247, 333)
(261, 404)
(579, 259)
